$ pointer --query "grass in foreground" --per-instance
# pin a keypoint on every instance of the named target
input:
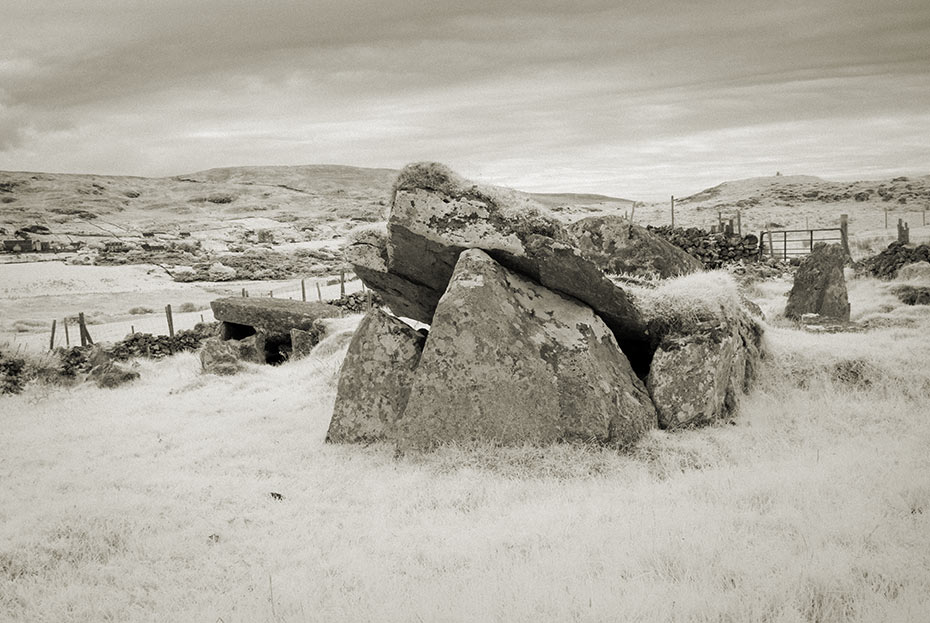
(153, 502)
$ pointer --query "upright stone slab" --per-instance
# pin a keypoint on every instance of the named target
(617, 246)
(698, 376)
(512, 362)
(819, 285)
(375, 379)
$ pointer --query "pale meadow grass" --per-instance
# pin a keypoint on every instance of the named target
(152, 502)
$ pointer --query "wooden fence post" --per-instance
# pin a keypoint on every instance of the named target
(342, 283)
(303, 291)
(170, 320)
(319, 295)
(886, 218)
(673, 211)
(85, 334)
(51, 340)
(64, 322)
(132, 329)
(739, 223)
(844, 233)
(243, 292)
(271, 294)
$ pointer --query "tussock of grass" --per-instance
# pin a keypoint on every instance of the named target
(684, 303)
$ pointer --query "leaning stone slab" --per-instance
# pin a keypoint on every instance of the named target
(512, 362)
(271, 316)
(368, 254)
(819, 285)
(617, 246)
(375, 379)
(435, 216)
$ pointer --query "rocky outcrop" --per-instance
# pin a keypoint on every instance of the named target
(375, 379)
(617, 246)
(698, 375)
(819, 285)
(511, 361)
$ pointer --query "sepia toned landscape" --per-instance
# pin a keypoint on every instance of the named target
(492, 312)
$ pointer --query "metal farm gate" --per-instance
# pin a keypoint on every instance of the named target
(788, 243)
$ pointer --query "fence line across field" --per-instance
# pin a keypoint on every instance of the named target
(65, 332)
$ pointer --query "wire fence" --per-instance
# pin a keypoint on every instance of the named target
(67, 332)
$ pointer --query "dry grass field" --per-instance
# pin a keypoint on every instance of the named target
(154, 501)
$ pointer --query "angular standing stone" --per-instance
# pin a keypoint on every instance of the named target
(819, 285)
(375, 379)
(512, 362)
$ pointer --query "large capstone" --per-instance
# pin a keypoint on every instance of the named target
(510, 361)
(270, 321)
(435, 216)
(375, 379)
(820, 286)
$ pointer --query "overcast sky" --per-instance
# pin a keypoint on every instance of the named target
(640, 100)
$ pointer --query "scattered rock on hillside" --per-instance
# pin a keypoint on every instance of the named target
(819, 285)
(885, 265)
(375, 379)
(918, 271)
(912, 295)
(510, 361)
(111, 374)
(697, 376)
(617, 246)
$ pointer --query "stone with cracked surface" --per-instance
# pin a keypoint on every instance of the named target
(697, 377)
(512, 362)
(375, 379)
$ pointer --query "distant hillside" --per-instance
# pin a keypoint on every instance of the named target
(796, 189)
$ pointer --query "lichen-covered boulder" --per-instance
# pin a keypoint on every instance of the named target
(819, 285)
(218, 356)
(707, 347)
(697, 377)
(375, 379)
(512, 362)
(617, 246)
